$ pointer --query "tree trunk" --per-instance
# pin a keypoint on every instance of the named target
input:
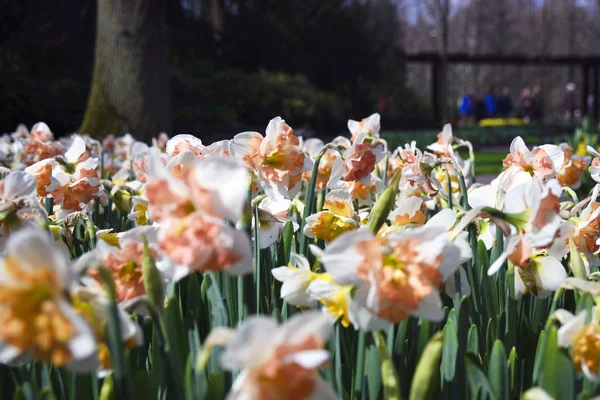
(130, 83)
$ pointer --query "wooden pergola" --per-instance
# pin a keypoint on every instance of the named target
(589, 67)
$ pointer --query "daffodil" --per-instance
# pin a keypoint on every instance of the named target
(370, 125)
(338, 216)
(277, 157)
(94, 308)
(36, 318)
(295, 279)
(272, 217)
(278, 361)
(543, 162)
(582, 338)
(395, 276)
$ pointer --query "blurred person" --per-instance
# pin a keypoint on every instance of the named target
(525, 104)
(568, 103)
(490, 103)
(504, 106)
(466, 107)
(480, 109)
(536, 104)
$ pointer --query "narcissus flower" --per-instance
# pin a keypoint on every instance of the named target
(395, 276)
(295, 279)
(214, 186)
(94, 308)
(203, 243)
(35, 316)
(370, 125)
(123, 262)
(278, 361)
(272, 217)
(543, 162)
(338, 217)
(582, 338)
(277, 157)
(572, 168)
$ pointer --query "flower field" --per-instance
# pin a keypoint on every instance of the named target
(272, 267)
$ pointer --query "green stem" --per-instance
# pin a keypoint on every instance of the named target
(309, 199)
(360, 365)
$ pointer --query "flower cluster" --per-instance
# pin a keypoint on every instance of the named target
(95, 235)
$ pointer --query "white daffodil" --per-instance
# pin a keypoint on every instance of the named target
(277, 361)
(395, 276)
(338, 216)
(583, 340)
(36, 317)
(295, 279)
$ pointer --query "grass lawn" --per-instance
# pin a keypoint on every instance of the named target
(488, 162)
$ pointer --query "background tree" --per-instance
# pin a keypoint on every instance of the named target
(130, 82)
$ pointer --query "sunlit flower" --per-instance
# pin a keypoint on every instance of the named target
(312, 147)
(278, 361)
(123, 262)
(215, 186)
(203, 243)
(370, 125)
(295, 280)
(180, 143)
(354, 171)
(543, 274)
(395, 276)
(139, 211)
(338, 216)
(94, 308)
(543, 162)
(572, 168)
(272, 217)
(583, 339)
(35, 316)
(277, 157)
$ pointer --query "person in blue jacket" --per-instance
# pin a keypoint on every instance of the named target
(490, 103)
(466, 107)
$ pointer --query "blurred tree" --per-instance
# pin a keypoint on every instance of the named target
(130, 83)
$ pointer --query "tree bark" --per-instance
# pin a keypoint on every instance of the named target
(130, 83)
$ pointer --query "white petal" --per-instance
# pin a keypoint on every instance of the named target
(228, 180)
(341, 258)
(446, 219)
(19, 184)
(252, 342)
(550, 273)
(570, 328)
(76, 150)
(308, 359)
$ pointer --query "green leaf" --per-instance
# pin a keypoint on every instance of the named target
(576, 262)
(427, 378)
(373, 372)
(218, 310)
(389, 375)
(550, 375)
(216, 386)
(473, 340)
(476, 377)
(153, 281)
(490, 292)
(449, 351)
(497, 373)
(539, 356)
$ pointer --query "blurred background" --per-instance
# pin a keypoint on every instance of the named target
(217, 67)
